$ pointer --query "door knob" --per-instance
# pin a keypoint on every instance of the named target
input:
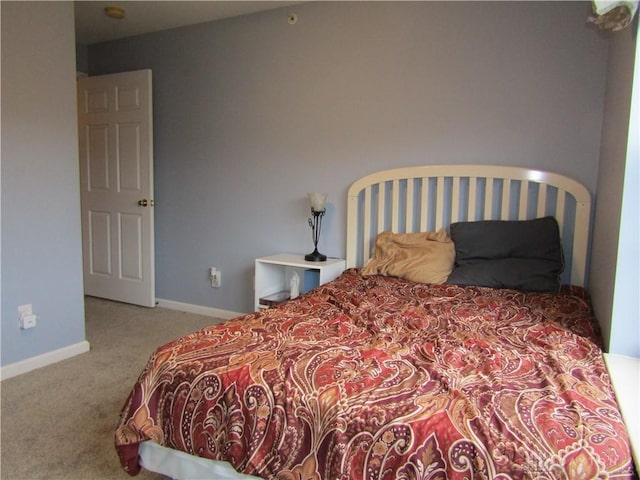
(144, 202)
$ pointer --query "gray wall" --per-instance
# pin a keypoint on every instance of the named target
(251, 113)
(614, 262)
(82, 59)
(41, 245)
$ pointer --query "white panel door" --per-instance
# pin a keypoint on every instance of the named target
(116, 184)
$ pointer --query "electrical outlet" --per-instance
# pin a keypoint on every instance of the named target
(216, 277)
(24, 310)
(26, 317)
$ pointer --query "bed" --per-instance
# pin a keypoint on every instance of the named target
(497, 374)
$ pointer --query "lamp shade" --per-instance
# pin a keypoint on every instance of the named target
(318, 201)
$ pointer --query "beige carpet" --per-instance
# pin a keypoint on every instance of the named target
(58, 421)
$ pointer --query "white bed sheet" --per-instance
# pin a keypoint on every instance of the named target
(182, 466)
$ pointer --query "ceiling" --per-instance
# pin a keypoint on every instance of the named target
(93, 26)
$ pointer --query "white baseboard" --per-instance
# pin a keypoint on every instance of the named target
(24, 366)
(197, 309)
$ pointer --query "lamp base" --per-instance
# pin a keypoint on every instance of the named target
(315, 256)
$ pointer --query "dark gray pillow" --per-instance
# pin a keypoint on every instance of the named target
(519, 254)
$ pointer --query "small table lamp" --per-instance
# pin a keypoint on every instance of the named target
(318, 203)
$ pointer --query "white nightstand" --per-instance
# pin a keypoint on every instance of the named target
(273, 273)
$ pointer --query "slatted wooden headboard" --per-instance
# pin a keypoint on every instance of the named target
(426, 198)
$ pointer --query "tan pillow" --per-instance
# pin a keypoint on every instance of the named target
(425, 257)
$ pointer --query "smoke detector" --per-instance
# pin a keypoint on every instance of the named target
(114, 12)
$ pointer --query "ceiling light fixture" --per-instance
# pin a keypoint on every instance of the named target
(114, 12)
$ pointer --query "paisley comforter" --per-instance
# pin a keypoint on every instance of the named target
(380, 378)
